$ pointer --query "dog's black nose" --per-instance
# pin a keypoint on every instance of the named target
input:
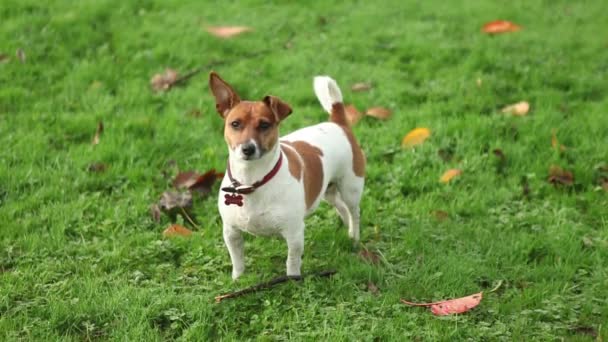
(248, 149)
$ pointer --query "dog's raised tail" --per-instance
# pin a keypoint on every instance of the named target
(330, 96)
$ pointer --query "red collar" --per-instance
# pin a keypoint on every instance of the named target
(239, 188)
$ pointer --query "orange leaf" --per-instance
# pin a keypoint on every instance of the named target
(379, 112)
(449, 174)
(554, 142)
(415, 137)
(520, 108)
(452, 306)
(177, 230)
(227, 31)
(500, 26)
(353, 115)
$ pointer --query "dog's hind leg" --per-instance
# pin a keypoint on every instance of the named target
(350, 190)
(333, 197)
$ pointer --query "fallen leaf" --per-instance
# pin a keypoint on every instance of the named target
(353, 115)
(555, 143)
(415, 137)
(176, 203)
(361, 86)
(479, 82)
(176, 230)
(519, 109)
(498, 153)
(97, 133)
(378, 112)
(4, 58)
(587, 242)
(559, 176)
(452, 306)
(372, 288)
(369, 256)
(604, 183)
(97, 167)
(440, 215)
(155, 213)
(193, 181)
(164, 81)
(500, 26)
(20, 55)
(449, 175)
(227, 31)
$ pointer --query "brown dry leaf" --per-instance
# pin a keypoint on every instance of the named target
(559, 176)
(369, 256)
(452, 306)
(415, 137)
(176, 230)
(195, 182)
(604, 183)
(372, 288)
(4, 58)
(500, 26)
(20, 55)
(499, 153)
(164, 81)
(440, 215)
(97, 167)
(97, 133)
(361, 86)
(227, 31)
(519, 109)
(449, 175)
(353, 115)
(555, 143)
(379, 112)
(176, 203)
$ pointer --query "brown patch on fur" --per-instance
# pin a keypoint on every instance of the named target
(313, 169)
(358, 156)
(295, 165)
(250, 114)
(338, 114)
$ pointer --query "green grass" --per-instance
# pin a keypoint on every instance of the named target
(80, 257)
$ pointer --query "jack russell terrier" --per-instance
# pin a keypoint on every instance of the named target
(271, 184)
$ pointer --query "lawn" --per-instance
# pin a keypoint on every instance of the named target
(82, 259)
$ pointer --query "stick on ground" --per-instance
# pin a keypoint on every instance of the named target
(271, 283)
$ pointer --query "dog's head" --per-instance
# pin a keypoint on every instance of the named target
(251, 128)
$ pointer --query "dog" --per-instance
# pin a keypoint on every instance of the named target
(271, 184)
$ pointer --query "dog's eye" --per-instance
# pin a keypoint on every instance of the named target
(235, 124)
(264, 125)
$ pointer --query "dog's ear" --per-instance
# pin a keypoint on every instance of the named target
(279, 108)
(225, 97)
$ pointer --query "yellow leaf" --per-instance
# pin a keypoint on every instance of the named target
(449, 174)
(415, 137)
(177, 230)
(520, 108)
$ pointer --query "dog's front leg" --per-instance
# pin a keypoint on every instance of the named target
(234, 242)
(295, 248)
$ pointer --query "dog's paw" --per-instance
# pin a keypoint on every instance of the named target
(236, 274)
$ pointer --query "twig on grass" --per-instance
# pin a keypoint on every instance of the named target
(271, 283)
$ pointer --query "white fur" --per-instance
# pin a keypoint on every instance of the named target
(279, 207)
(327, 91)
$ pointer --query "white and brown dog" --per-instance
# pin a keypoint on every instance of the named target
(271, 184)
